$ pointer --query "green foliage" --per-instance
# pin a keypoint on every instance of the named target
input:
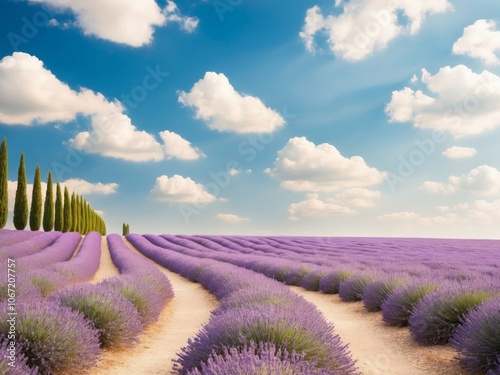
(4, 177)
(48, 207)
(58, 212)
(74, 217)
(66, 211)
(36, 202)
(125, 229)
(21, 200)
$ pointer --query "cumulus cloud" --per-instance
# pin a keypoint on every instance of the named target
(460, 102)
(127, 22)
(481, 41)
(359, 197)
(178, 189)
(177, 147)
(83, 187)
(397, 216)
(303, 166)
(468, 215)
(39, 98)
(457, 152)
(30, 94)
(367, 25)
(231, 218)
(114, 135)
(483, 180)
(315, 207)
(224, 109)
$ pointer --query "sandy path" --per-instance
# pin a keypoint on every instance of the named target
(180, 320)
(106, 266)
(381, 349)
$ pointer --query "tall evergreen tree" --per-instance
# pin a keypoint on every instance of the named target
(48, 207)
(4, 185)
(58, 212)
(66, 211)
(36, 202)
(21, 200)
(74, 218)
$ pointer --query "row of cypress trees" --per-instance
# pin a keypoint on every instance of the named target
(69, 213)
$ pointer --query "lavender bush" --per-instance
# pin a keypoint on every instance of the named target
(147, 301)
(330, 283)
(352, 289)
(376, 292)
(262, 359)
(477, 340)
(19, 367)
(398, 307)
(30, 245)
(52, 338)
(114, 317)
(439, 313)
(85, 263)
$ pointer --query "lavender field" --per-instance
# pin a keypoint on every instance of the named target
(56, 319)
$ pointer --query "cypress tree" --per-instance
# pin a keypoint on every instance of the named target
(66, 211)
(21, 200)
(4, 185)
(58, 212)
(74, 218)
(36, 202)
(48, 207)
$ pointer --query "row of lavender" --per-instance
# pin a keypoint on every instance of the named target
(62, 323)
(445, 290)
(259, 327)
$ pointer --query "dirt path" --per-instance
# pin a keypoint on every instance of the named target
(181, 319)
(378, 348)
(106, 266)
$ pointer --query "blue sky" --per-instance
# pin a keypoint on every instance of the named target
(341, 118)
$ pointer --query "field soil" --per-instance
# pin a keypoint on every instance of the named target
(378, 349)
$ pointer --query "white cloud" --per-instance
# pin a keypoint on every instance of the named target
(367, 25)
(178, 189)
(31, 95)
(457, 152)
(459, 102)
(314, 207)
(233, 172)
(231, 218)
(480, 40)
(358, 197)
(397, 216)
(303, 166)
(177, 147)
(114, 135)
(224, 109)
(466, 215)
(483, 180)
(127, 22)
(83, 187)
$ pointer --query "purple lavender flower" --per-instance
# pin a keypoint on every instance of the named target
(114, 317)
(19, 367)
(52, 338)
(352, 289)
(330, 283)
(376, 292)
(439, 313)
(477, 339)
(398, 307)
(264, 358)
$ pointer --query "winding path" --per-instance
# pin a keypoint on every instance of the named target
(180, 320)
(378, 348)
